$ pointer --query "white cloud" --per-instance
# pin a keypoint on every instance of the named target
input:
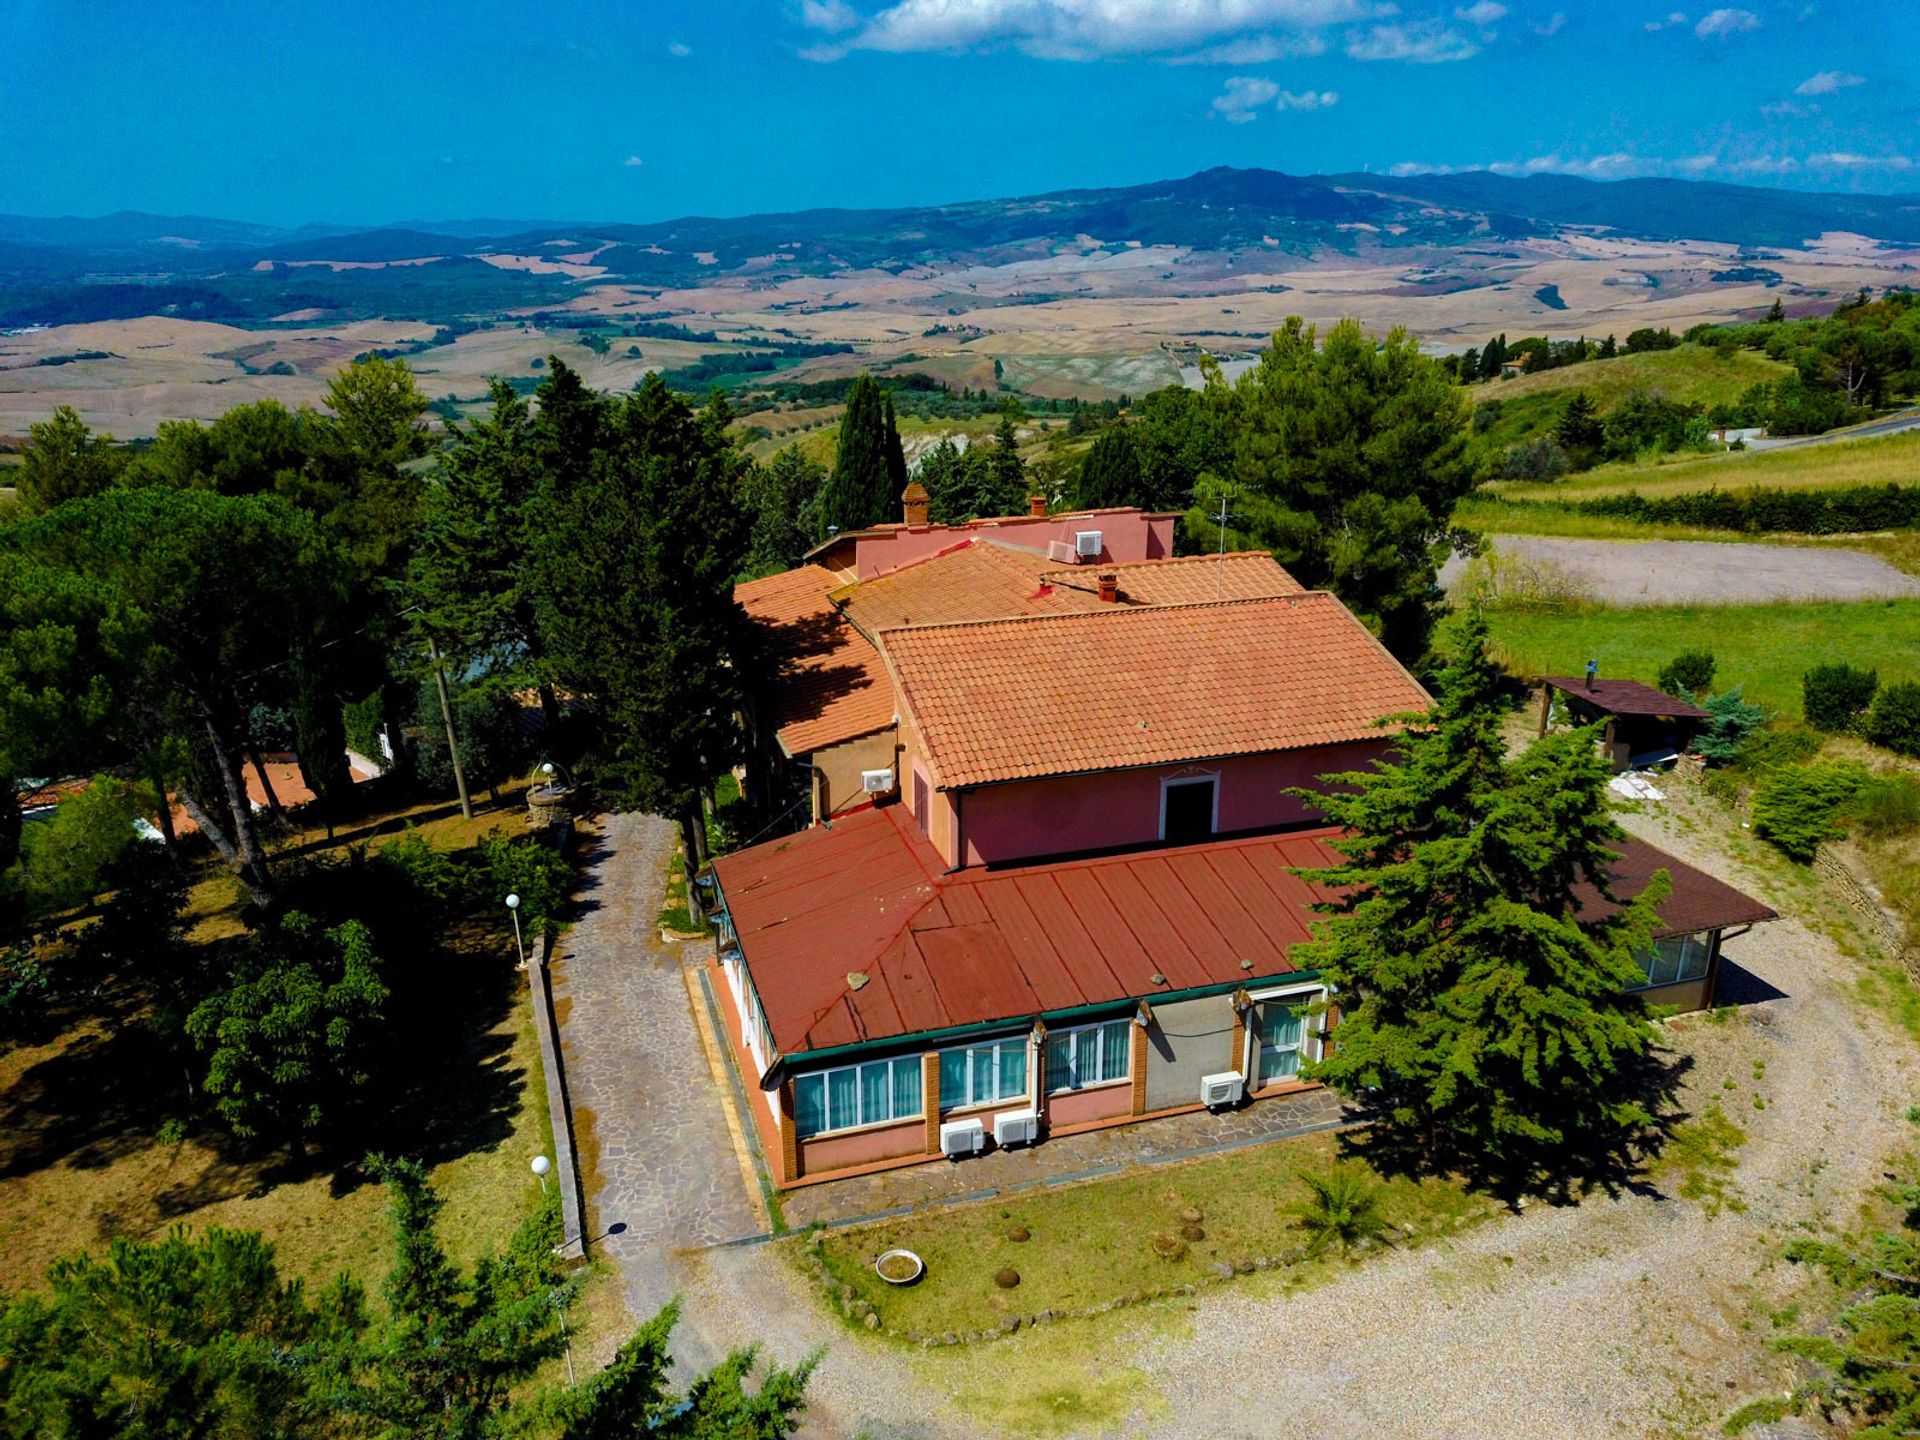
(679, 51)
(1724, 24)
(632, 160)
(1421, 42)
(1244, 96)
(1079, 29)
(1674, 18)
(1788, 110)
(1848, 160)
(1594, 167)
(1417, 167)
(1483, 13)
(1307, 100)
(1255, 50)
(1764, 165)
(1828, 81)
(1551, 26)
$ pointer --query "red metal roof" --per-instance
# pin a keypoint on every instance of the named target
(1625, 697)
(855, 934)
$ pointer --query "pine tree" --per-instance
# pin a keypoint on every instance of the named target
(1580, 431)
(1488, 1022)
(1110, 475)
(1609, 348)
(869, 467)
(1493, 359)
(1777, 312)
(1006, 472)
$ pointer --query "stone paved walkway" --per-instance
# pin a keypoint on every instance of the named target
(1072, 1157)
(655, 1153)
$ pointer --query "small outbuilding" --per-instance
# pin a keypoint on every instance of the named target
(1645, 726)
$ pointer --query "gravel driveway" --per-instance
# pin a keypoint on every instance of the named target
(1708, 572)
(1614, 1318)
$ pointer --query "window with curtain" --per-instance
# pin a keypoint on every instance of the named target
(983, 1074)
(1089, 1055)
(1282, 1032)
(1674, 959)
(854, 1095)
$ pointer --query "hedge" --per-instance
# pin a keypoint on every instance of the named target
(1756, 510)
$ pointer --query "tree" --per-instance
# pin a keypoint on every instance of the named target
(1006, 472)
(456, 1343)
(633, 577)
(632, 1398)
(183, 1338)
(1348, 461)
(1110, 476)
(63, 460)
(1485, 1017)
(486, 723)
(1580, 431)
(782, 497)
(63, 859)
(1493, 359)
(1777, 312)
(869, 467)
(1179, 436)
(294, 1036)
(1730, 720)
(1690, 673)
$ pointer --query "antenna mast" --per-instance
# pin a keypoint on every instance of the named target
(1220, 563)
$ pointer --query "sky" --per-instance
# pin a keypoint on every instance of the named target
(354, 113)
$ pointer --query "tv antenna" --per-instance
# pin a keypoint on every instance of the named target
(1220, 563)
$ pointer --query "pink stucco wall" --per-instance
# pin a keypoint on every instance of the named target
(1126, 537)
(1073, 813)
(1080, 1107)
(863, 1147)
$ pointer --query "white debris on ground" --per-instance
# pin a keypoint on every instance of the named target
(1634, 786)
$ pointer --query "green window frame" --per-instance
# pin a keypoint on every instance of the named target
(983, 1074)
(1089, 1055)
(847, 1097)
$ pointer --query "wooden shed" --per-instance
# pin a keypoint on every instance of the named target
(1645, 726)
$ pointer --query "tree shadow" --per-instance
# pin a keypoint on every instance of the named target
(1610, 1161)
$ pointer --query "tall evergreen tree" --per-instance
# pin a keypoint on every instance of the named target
(1111, 475)
(1493, 359)
(1006, 472)
(1486, 1017)
(1580, 431)
(869, 467)
(63, 460)
(782, 496)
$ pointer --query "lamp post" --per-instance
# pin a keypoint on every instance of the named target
(541, 1165)
(513, 909)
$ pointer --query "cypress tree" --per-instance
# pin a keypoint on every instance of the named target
(1110, 475)
(1489, 1022)
(869, 468)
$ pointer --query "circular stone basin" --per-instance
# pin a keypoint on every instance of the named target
(899, 1267)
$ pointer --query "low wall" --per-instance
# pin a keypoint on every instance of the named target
(566, 1171)
(1858, 891)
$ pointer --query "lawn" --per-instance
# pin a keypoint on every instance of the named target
(1877, 460)
(1093, 1243)
(89, 1147)
(1762, 648)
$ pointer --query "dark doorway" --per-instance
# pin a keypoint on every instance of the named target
(1189, 808)
(922, 801)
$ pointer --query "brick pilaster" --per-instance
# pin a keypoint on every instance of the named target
(1138, 1039)
(930, 1097)
(789, 1135)
(1236, 1041)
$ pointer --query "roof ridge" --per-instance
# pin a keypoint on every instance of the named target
(1167, 560)
(1291, 598)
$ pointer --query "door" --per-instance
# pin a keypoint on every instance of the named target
(1189, 811)
(1282, 1033)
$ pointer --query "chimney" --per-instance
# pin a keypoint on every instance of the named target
(1109, 588)
(1593, 672)
(1036, 505)
(913, 503)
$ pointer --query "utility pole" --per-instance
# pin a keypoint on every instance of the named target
(453, 742)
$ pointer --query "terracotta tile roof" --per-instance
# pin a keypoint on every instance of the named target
(831, 685)
(1122, 686)
(984, 579)
(855, 933)
(1187, 579)
(962, 528)
(1625, 697)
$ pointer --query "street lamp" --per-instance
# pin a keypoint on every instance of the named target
(513, 909)
(541, 1165)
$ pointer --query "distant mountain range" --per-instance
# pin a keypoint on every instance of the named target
(115, 266)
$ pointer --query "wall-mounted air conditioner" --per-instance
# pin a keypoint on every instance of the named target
(1222, 1089)
(1087, 544)
(1062, 552)
(1016, 1127)
(962, 1137)
(877, 782)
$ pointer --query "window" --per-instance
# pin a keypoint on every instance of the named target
(1674, 959)
(1091, 1055)
(851, 1095)
(1186, 809)
(1280, 1031)
(983, 1074)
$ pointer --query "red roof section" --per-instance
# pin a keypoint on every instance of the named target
(1626, 697)
(1187, 579)
(1122, 686)
(832, 685)
(854, 933)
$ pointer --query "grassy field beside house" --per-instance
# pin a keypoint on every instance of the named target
(1877, 460)
(1762, 648)
(90, 1147)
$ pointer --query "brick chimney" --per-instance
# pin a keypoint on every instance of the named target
(913, 503)
(1109, 588)
(1036, 505)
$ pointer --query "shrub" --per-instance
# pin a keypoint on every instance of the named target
(530, 870)
(1887, 805)
(1730, 720)
(1688, 673)
(1798, 806)
(1782, 745)
(1757, 510)
(1894, 720)
(1540, 458)
(1340, 1208)
(1834, 697)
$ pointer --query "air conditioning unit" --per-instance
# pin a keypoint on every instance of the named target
(1222, 1089)
(1061, 551)
(1087, 544)
(1016, 1127)
(877, 782)
(962, 1137)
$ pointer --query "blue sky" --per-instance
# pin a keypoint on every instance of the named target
(358, 113)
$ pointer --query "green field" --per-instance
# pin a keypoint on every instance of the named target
(1875, 461)
(1764, 649)
(1532, 404)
